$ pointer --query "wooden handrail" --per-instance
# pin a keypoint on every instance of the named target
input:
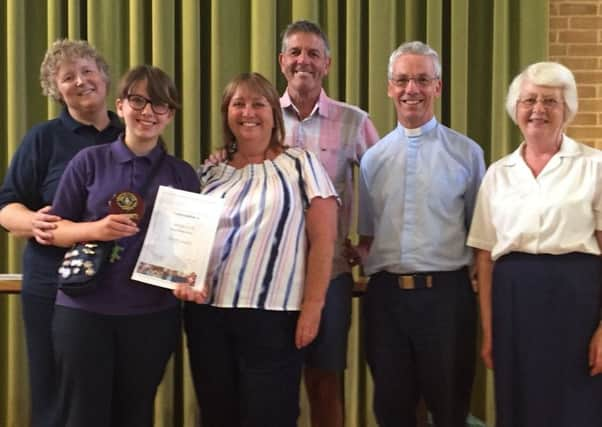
(10, 283)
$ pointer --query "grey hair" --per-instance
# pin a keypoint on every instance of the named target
(414, 48)
(62, 51)
(550, 74)
(304, 27)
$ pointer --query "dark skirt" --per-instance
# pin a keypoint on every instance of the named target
(545, 311)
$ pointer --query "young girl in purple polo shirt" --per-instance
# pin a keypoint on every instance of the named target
(112, 344)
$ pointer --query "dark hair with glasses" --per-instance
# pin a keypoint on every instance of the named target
(139, 102)
(162, 92)
(160, 88)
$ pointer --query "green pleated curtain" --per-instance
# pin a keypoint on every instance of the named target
(203, 44)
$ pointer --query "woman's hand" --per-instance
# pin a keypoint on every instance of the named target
(20, 221)
(484, 273)
(186, 292)
(308, 324)
(320, 226)
(595, 352)
(42, 225)
(111, 227)
(487, 351)
(115, 226)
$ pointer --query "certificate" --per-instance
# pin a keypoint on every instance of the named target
(179, 239)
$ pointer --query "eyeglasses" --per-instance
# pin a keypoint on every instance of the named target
(531, 101)
(421, 81)
(138, 103)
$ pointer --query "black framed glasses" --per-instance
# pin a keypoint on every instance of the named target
(138, 103)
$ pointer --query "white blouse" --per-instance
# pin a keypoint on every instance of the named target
(556, 212)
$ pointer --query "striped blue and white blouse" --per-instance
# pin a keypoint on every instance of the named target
(258, 258)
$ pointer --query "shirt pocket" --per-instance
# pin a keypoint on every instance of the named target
(331, 153)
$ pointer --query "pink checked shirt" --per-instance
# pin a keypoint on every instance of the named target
(339, 134)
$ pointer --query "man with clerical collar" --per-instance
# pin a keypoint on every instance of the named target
(418, 187)
(339, 134)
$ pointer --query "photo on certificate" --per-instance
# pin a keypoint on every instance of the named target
(179, 239)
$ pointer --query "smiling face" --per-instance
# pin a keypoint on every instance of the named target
(414, 101)
(304, 63)
(82, 86)
(143, 126)
(540, 112)
(250, 119)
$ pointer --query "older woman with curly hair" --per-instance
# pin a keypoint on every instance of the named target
(74, 74)
(538, 230)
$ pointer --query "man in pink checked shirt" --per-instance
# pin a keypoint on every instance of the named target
(339, 134)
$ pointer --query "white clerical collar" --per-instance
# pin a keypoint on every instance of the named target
(417, 132)
(413, 132)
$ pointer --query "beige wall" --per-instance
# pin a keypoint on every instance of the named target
(576, 41)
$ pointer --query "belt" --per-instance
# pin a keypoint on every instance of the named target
(410, 281)
(414, 281)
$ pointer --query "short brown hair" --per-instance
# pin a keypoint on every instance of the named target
(160, 86)
(65, 50)
(260, 85)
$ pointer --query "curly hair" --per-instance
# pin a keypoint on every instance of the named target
(65, 50)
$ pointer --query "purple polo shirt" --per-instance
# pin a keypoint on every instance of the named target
(89, 182)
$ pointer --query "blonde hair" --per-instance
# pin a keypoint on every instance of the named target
(66, 50)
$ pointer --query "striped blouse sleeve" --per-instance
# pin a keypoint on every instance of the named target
(315, 180)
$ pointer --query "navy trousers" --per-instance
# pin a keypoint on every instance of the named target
(37, 317)
(421, 342)
(109, 367)
(245, 366)
(545, 311)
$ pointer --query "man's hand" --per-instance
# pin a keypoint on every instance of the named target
(354, 254)
(472, 275)
(216, 157)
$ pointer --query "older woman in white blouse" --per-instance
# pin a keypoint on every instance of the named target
(537, 227)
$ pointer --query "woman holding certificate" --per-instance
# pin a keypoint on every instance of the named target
(112, 342)
(269, 269)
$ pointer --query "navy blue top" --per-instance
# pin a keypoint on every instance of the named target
(90, 180)
(33, 177)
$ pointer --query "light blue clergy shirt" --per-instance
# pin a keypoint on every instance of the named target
(417, 194)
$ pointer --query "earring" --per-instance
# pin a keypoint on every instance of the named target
(232, 147)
